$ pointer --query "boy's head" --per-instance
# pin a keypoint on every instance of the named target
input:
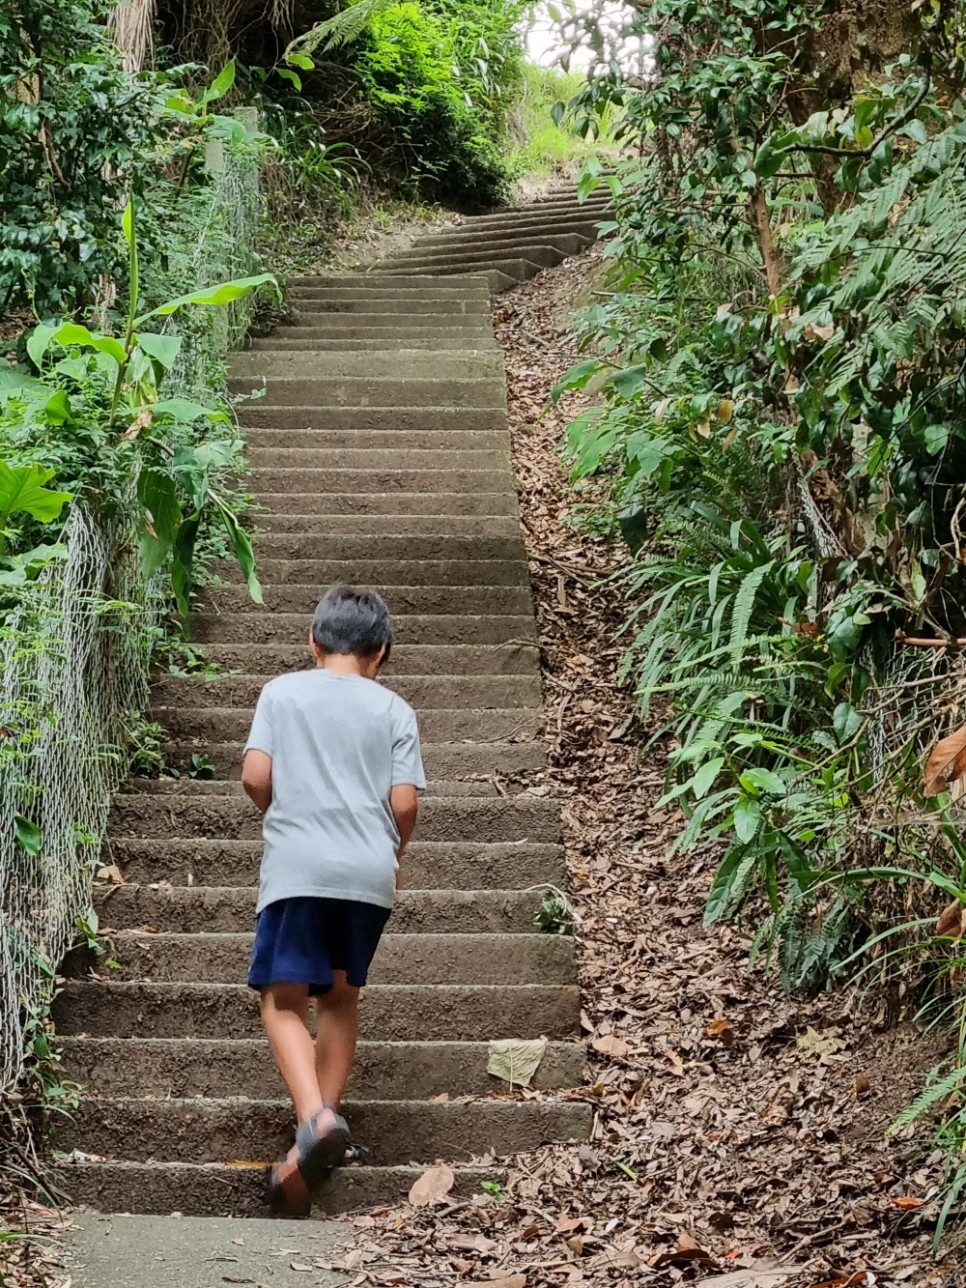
(355, 623)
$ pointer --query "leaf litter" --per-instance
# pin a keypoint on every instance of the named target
(739, 1134)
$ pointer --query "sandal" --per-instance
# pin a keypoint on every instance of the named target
(310, 1159)
(354, 1155)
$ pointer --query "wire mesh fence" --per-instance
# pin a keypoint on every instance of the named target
(75, 655)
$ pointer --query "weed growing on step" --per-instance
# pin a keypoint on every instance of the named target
(555, 916)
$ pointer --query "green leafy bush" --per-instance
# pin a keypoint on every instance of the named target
(72, 126)
(425, 118)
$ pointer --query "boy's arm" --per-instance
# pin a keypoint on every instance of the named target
(404, 803)
(257, 765)
(408, 777)
(257, 778)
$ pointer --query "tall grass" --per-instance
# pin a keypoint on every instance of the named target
(541, 146)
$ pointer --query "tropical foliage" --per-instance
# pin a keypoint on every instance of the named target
(780, 438)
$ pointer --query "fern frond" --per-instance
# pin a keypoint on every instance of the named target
(954, 1080)
(341, 29)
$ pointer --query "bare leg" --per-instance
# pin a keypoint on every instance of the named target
(284, 1011)
(338, 1030)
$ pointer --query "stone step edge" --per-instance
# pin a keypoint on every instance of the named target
(214, 1189)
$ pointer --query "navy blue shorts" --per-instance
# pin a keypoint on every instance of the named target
(303, 940)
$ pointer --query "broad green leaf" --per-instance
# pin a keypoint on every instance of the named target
(38, 342)
(14, 382)
(845, 721)
(760, 779)
(28, 834)
(212, 296)
(936, 437)
(182, 565)
(578, 377)
(57, 407)
(720, 893)
(293, 78)
(703, 780)
(243, 553)
(160, 520)
(72, 333)
(163, 348)
(22, 491)
(222, 83)
(127, 223)
(183, 409)
(747, 818)
(15, 570)
(300, 60)
(630, 380)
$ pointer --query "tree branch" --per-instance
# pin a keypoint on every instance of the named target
(902, 119)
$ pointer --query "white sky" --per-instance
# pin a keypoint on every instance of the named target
(544, 45)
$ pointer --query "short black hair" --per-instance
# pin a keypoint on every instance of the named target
(350, 621)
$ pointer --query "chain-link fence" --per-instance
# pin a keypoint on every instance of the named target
(74, 658)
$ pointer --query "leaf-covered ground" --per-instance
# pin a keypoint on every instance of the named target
(739, 1136)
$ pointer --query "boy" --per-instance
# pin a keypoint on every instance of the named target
(333, 762)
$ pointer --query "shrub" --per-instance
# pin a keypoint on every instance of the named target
(72, 124)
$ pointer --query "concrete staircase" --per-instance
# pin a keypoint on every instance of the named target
(380, 456)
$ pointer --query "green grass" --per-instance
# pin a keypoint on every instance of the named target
(543, 147)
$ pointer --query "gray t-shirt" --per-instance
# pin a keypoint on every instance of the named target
(338, 744)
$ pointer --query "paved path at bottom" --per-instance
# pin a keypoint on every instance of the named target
(193, 1252)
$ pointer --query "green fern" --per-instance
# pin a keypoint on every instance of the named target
(953, 1081)
(341, 29)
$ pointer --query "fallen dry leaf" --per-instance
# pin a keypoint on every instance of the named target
(946, 763)
(434, 1184)
(611, 1045)
(907, 1204)
(721, 1030)
(952, 921)
(813, 1043)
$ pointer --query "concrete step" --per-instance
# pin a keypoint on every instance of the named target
(406, 520)
(578, 224)
(569, 241)
(543, 251)
(439, 630)
(454, 343)
(334, 326)
(177, 784)
(303, 598)
(402, 365)
(517, 818)
(447, 691)
(172, 1068)
(336, 420)
(356, 283)
(419, 476)
(312, 508)
(391, 305)
(350, 549)
(394, 1131)
(418, 958)
(505, 272)
(430, 865)
(429, 572)
(219, 724)
(240, 1190)
(406, 659)
(360, 391)
(490, 760)
(445, 453)
(390, 1013)
(212, 910)
(281, 446)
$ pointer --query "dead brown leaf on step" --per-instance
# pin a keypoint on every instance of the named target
(434, 1184)
(946, 763)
